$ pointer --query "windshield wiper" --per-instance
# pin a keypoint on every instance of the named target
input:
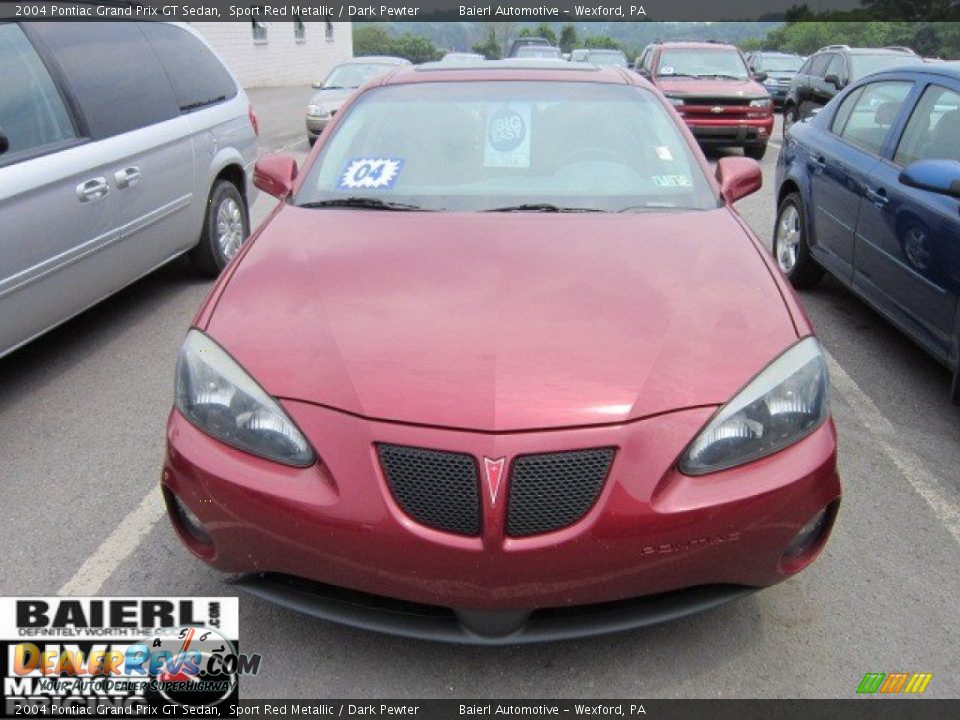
(542, 207)
(725, 76)
(202, 103)
(366, 203)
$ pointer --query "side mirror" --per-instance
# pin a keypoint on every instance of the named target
(938, 176)
(275, 173)
(317, 86)
(4, 142)
(760, 76)
(833, 80)
(738, 177)
(643, 72)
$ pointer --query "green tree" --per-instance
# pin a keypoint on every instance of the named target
(489, 48)
(370, 39)
(568, 38)
(600, 41)
(415, 48)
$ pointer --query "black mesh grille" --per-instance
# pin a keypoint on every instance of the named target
(551, 491)
(435, 488)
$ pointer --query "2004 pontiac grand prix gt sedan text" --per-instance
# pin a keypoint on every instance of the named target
(503, 366)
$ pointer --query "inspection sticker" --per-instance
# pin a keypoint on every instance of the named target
(508, 137)
(672, 181)
(663, 152)
(370, 173)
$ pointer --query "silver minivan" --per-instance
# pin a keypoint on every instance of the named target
(122, 146)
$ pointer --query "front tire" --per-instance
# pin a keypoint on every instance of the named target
(790, 246)
(755, 152)
(226, 227)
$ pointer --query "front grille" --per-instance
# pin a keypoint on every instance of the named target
(435, 488)
(714, 101)
(554, 490)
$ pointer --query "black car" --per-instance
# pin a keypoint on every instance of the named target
(779, 68)
(832, 68)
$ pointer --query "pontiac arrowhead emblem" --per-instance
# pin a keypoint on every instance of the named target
(494, 472)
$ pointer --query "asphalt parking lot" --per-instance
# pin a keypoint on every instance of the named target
(82, 413)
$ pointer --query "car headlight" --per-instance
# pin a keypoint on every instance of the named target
(317, 110)
(765, 103)
(675, 101)
(782, 405)
(221, 399)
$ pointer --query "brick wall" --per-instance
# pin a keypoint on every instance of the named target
(281, 60)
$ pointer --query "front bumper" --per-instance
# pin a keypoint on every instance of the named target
(651, 531)
(730, 131)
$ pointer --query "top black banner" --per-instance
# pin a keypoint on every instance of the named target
(481, 10)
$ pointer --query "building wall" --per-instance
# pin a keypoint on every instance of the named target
(280, 59)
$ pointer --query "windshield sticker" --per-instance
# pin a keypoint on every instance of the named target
(370, 174)
(672, 181)
(508, 138)
(663, 152)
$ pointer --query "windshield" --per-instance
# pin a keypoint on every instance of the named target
(538, 51)
(611, 57)
(696, 62)
(353, 75)
(476, 146)
(461, 58)
(865, 64)
(780, 63)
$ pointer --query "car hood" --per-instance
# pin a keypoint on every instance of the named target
(711, 88)
(499, 322)
(331, 99)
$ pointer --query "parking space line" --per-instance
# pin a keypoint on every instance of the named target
(907, 462)
(117, 546)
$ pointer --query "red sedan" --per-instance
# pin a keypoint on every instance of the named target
(503, 365)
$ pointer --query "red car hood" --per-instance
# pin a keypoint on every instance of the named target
(499, 322)
(711, 88)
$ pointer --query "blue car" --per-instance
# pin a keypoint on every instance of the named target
(869, 191)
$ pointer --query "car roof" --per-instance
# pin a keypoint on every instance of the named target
(945, 69)
(697, 45)
(377, 59)
(511, 69)
(774, 52)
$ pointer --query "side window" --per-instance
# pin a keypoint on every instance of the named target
(805, 68)
(818, 66)
(836, 67)
(114, 74)
(32, 113)
(933, 132)
(873, 113)
(198, 77)
(844, 111)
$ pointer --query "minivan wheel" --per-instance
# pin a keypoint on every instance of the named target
(790, 246)
(789, 118)
(225, 228)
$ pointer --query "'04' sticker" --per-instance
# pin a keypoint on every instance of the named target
(370, 173)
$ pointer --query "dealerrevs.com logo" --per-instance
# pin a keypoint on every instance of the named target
(97, 656)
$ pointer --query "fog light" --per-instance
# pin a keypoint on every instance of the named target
(190, 522)
(808, 535)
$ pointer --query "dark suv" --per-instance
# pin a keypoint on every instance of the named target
(832, 68)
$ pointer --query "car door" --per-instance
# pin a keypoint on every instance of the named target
(56, 205)
(144, 141)
(808, 92)
(908, 239)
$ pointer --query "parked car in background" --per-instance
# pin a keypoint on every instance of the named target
(779, 68)
(338, 86)
(497, 353)
(526, 42)
(539, 52)
(713, 90)
(832, 68)
(106, 175)
(869, 191)
(462, 57)
(599, 56)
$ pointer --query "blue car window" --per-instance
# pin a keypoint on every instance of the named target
(873, 113)
(933, 132)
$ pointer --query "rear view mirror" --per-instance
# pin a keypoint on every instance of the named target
(738, 177)
(938, 176)
(275, 173)
(4, 142)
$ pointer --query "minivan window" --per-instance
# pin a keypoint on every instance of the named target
(198, 77)
(113, 72)
(476, 146)
(32, 113)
